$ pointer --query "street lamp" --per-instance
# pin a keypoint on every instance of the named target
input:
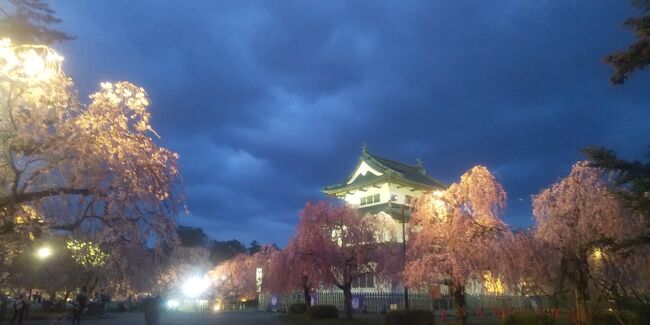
(195, 285)
(406, 289)
(28, 63)
(44, 252)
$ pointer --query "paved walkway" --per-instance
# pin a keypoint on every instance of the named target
(235, 318)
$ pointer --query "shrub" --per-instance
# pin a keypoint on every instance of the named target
(95, 308)
(323, 311)
(121, 307)
(528, 318)
(638, 308)
(415, 317)
(138, 307)
(298, 308)
(607, 318)
(48, 305)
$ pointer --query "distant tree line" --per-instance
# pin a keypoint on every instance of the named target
(220, 250)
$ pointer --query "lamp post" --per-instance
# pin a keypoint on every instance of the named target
(393, 198)
(406, 289)
(43, 253)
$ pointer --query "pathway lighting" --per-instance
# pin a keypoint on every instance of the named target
(44, 252)
(194, 286)
(172, 304)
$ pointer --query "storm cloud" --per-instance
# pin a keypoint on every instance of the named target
(267, 102)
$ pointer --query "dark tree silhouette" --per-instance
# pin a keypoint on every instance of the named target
(224, 250)
(29, 21)
(637, 56)
(192, 237)
(632, 183)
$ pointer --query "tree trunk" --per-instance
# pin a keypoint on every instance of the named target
(305, 288)
(307, 294)
(61, 304)
(347, 299)
(459, 300)
(92, 287)
(560, 287)
(52, 294)
(582, 291)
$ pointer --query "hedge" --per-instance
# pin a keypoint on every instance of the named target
(528, 318)
(298, 308)
(414, 317)
(607, 318)
(323, 311)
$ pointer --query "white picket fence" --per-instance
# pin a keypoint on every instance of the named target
(378, 302)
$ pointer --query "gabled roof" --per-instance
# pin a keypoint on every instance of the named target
(391, 170)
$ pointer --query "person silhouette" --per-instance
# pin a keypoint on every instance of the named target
(78, 306)
(19, 309)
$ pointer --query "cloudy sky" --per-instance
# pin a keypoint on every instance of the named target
(267, 102)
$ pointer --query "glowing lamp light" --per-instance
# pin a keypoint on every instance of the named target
(194, 286)
(28, 63)
(597, 254)
(33, 64)
(172, 303)
(44, 252)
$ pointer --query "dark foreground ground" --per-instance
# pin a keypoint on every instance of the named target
(244, 318)
(227, 318)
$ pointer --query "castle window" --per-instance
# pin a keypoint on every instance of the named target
(370, 199)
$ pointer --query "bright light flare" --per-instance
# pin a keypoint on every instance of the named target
(194, 286)
(172, 303)
(44, 252)
(28, 63)
(597, 254)
(33, 64)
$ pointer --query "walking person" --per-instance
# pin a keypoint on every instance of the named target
(152, 310)
(78, 306)
(19, 309)
(4, 300)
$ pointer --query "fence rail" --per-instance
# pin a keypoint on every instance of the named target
(379, 302)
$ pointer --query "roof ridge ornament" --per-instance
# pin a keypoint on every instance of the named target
(420, 165)
(364, 148)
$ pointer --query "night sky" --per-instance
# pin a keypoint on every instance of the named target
(267, 102)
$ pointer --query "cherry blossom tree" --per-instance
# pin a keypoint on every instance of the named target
(457, 235)
(573, 217)
(91, 171)
(528, 264)
(334, 245)
(236, 278)
(181, 263)
(287, 270)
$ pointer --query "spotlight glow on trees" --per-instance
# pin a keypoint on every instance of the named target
(87, 170)
(87, 254)
(195, 286)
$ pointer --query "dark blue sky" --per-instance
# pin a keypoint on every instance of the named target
(266, 102)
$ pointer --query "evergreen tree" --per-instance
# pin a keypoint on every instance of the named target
(637, 56)
(29, 21)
